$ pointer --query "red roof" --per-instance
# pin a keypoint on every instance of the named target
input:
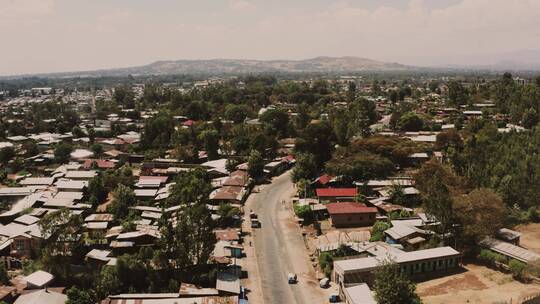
(324, 179)
(101, 163)
(188, 123)
(336, 192)
(346, 208)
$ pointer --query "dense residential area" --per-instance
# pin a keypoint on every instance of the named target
(295, 188)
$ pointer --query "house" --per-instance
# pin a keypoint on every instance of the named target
(418, 264)
(336, 194)
(38, 279)
(71, 185)
(80, 175)
(350, 214)
(42, 296)
(81, 154)
(357, 294)
(37, 181)
(151, 181)
(509, 251)
(99, 163)
(510, 236)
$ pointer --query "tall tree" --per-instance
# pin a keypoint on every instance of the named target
(391, 286)
(123, 198)
(481, 213)
(255, 164)
(190, 187)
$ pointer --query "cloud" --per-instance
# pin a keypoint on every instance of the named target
(23, 11)
(242, 6)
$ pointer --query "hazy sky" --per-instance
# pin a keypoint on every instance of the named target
(66, 35)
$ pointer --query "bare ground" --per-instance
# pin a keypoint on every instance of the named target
(530, 236)
(478, 284)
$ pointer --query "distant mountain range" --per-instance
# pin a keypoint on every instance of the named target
(521, 60)
(245, 66)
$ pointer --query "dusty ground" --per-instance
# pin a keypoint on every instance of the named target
(103, 206)
(530, 237)
(478, 284)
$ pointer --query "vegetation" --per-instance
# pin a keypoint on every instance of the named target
(391, 286)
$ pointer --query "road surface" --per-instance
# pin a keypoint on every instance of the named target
(279, 247)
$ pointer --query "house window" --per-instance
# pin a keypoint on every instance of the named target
(19, 245)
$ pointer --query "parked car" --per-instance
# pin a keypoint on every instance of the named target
(291, 278)
(255, 223)
(334, 298)
(324, 283)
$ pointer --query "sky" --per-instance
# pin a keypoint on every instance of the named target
(41, 36)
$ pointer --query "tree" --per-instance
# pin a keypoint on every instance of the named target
(391, 286)
(124, 197)
(255, 164)
(97, 149)
(305, 168)
(6, 154)
(191, 241)
(4, 277)
(96, 190)
(437, 185)
(236, 113)
(481, 213)
(277, 121)
(318, 139)
(457, 94)
(62, 152)
(210, 139)
(108, 282)
(517, 268)
(410, 121)
(81, 296)
(449, 138)
(61, 234)
(377, 231)
(529, 118)
(157, 131)
(30, 148)
(190, 187)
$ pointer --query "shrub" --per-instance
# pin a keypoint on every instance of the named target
(302, 211)
(517, 268)
(326, 261)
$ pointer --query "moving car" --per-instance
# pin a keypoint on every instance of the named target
(291, 278)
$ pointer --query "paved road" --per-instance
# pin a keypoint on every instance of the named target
(280, 248)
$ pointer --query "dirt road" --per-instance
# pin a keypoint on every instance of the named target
(279, 248)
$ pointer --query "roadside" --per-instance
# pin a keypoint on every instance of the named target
(278, 248)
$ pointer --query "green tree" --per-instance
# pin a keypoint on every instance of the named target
(518, 269)
(190, 187)
(236, 113)
(437, 185)
(255, 164)
(6, 154)
(305, 167)
(481, 213)
(191, 241)
(4, 277)
(123, 198)
(97, 149)
(62, 152)
(391, 286)
(277, 121)
(457, 94)
(410, 121)
(96, 190)
(157, 131)
(210, 139)
(81, 296)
